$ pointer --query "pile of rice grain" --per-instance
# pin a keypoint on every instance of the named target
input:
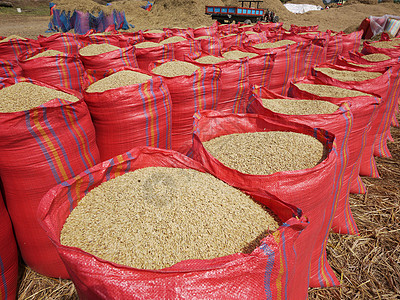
(25, 95)
(46, 53)
(147, 45)
(210, 59)
(299, 106)
(393, 44)
(264, 153)
(323, 90)
(96, 49)
(154, 217)
(360, 65)
(376, 57)
(237, 54)
(175, 68)
(12, 37)
(345, 75)
(116, 80)
(274, 44)
(171, 40)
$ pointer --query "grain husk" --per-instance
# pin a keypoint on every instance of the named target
(47, 53)
(345, 75)
(264, 153)
(154, 217)
(147, 45)
(116, 80)
(237, 54)
(25, 95)
(172, 40)
(392, 44)
(299, 106)
(376, 57)
(175, 68)
(12, 37)
(329, 90)
(154, 31)
(210, 59)
(96, 49)
(274, 44)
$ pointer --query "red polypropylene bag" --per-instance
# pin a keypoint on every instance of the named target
(234, 40)
(183, 32)
(369, 48)
(64, 42)
(296, 29)
(256, 38)
(380, 127)
(340, 44)
(63, 70)
(364, 110)
(97, 66)
(206, 31)
(40, 148)
(340, 123)
(211, 45)
(147, 56)
(130, 38)
(10, 68)
(266, 273)
(226, 29)
(190, 94)
(99, 38)
(8, 256)
(11, 49)
(269, 26)
(131, 116)
(184, 48)
(155, 37)
(310, 189)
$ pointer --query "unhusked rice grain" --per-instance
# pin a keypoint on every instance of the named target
(154, 31)
(237, 54)
(264, 153)
(12, 37)
(147, 45)
(46, 53)
(386, 44)
(376, 57)
(274, 44)
(25, 95)
(345, 75)
(329, 90)
(96, 49)
(154, 217)
(175, 68)
(360, 65)
(210, 59)
(299, 106)
(116, 80)
(173, 39)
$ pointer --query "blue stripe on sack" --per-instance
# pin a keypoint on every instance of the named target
(156, 110)
(143, 98)
(194, 92)
(203, 89)
(214, 79)
(167, 113)
(239, 82)
(70, 199)
(69, 73)
(60, 76)
(42, 147)
(79, 73)
(109, 168)
(3, 278)
(13, 48)
(286, 262)
(74, 137)
(269, 253)
(46, 121)
(83, 132)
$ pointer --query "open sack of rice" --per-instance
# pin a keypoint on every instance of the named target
(155, 233)
(129, 108)
(13, 46)
(10, 69)
(317, 113)
(390, 47)
(293, 161)
(46, 137)
(65, 42)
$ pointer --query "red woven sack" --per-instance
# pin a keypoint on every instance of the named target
(226, 29)
(11, 49)
(340, 123)
(97, 66)
(147, 56)
(40, 148)
(211, 45)
(206, 31)
(340, 44)
(183, 32)
(269, 26)
(369, 48)
(99, 38)
(64, 42)
(131, 116)
(9, 68)
(184, 48)
(380, 127)
(257, 38)
(155, 37)
(130, 38)
(364, 109)
(8, 256)
(190, 94)
(233, 40)
(297, 29)
(309, 189)
(266, 273)
(63, 70)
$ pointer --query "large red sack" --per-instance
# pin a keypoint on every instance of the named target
(10, 68)
(130, 38)
(99, 38)
(98, 66)
(234, 40)
(147, 56)
(155, 37)
(190, 94)
(380, 86)
(63, 70)
(64, 42)
(364, 110)
(266, 273)
(206, 31)
(340, 123)
(183, 32)
(211, 45)
(11, 49)
(340, 44)
(369, 48)
(269, 26)
(184, 48)
(226, 29)
(311, 189)
(131, 116)
(8, 256)
(40, 148)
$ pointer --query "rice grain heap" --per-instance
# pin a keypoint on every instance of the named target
(237, 54)
(360, 65)
(24, 96)
(264, 153)
(146, 45)
(173, 39)
(345, 75)
(376, 57)
(154, 217)
(393, 44)
(46, 53)
(96, 49)
(116, 80)
(274, 44)
(300, 107)
(12, 37)
(175, 68)
(329, 90)
(210, 59)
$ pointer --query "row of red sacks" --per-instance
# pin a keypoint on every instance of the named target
(303, 274)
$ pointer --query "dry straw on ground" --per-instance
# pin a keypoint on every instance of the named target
(96, 49)
(323, 90)
(25, 95)
(300, 107)
(175, 68)
(155, 217)
(116, 80)
(263, 153)
(344, 75)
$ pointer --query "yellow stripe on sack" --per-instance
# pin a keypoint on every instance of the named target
(277, 238)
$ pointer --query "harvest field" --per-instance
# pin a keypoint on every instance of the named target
(368, 264)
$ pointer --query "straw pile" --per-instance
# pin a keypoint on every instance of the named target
(175, 68)
(299, 107)
(344, 75)
(174, 214)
